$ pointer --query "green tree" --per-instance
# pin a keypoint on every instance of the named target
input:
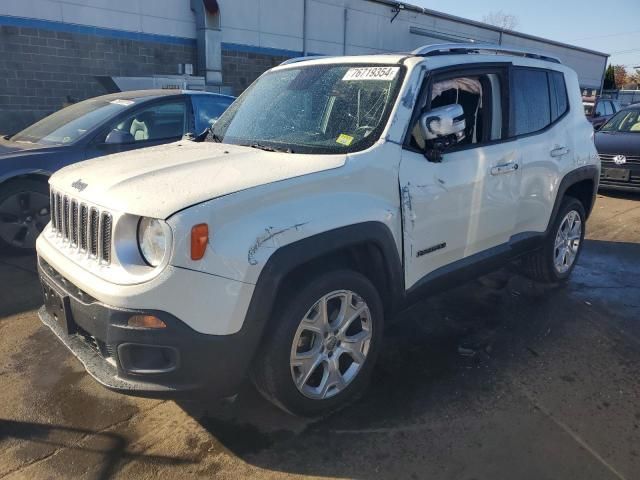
(609, 79)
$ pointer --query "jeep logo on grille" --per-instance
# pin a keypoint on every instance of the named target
(620, 159)
(79, 185)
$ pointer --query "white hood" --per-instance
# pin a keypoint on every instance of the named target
(159, 181)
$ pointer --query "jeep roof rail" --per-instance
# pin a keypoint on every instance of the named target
(302, 59)
(461, 48)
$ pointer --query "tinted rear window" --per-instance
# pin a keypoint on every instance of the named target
(559, 102)
(531, 106)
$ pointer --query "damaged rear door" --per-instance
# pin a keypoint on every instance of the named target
(467, 203)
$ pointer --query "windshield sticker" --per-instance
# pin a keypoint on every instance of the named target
(344, 139)
(371, 73)
(124, 103)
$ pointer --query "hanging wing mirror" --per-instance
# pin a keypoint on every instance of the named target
(442, 127)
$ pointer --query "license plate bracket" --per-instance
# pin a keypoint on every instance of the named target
(619, 174)
(58, 306)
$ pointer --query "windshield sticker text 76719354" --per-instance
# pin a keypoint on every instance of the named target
(371, 73)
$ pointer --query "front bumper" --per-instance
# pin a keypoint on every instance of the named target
(145, 362)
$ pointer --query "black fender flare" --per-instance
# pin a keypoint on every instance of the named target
(289, 257)
(587, 172)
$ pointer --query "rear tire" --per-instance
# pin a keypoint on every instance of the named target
(24, 212)
(557, 258)
(314, 363)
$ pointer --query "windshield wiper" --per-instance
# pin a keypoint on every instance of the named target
(267, 148)
(213, 137)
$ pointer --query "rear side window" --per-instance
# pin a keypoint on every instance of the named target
(531, 104)
(559, 102)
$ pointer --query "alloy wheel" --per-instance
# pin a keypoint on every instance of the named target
(331, 344)
(567, 242)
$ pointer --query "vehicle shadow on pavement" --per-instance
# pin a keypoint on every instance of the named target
(109, 448)
(19, 284)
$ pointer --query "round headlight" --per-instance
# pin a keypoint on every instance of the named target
(153, 241)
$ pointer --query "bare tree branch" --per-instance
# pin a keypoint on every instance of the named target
(500, 19)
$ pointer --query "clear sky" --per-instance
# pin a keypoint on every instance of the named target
(610, 26)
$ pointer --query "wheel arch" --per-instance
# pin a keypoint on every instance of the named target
(581, 183)
(367, 247)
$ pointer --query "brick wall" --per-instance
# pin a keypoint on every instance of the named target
(41, 70)
(240, 69)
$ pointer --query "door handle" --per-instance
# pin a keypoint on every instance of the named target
(559, 151)
(504, 168)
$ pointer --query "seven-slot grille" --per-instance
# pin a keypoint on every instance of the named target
(85, 227)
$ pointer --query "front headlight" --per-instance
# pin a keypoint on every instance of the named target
(153, 240)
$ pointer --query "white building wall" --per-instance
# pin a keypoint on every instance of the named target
(278, 24)
(158, 17)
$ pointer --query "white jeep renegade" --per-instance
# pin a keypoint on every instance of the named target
(330, 195)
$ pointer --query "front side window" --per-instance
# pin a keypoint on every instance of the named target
(162, 121)
(313, 109)
(480, 97)
(600, 109)
(624, 121)
(531, 104)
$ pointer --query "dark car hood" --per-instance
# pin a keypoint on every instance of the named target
(618, 143)
(20, 158)
(9, 148)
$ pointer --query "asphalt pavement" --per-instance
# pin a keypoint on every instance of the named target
(499, 378)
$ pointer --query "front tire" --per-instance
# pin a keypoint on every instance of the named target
(320, 354)
(24, 212)
(555, 261)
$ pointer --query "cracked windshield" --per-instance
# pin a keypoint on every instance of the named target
(313, 109)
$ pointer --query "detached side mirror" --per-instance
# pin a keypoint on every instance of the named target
(442, 128)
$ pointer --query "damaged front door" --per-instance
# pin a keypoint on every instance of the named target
(466, 203)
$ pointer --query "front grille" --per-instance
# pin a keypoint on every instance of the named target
(74, 223)
(105, 238)
(83, 227)
(94, 228)
(84, 216)
(631, 159)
